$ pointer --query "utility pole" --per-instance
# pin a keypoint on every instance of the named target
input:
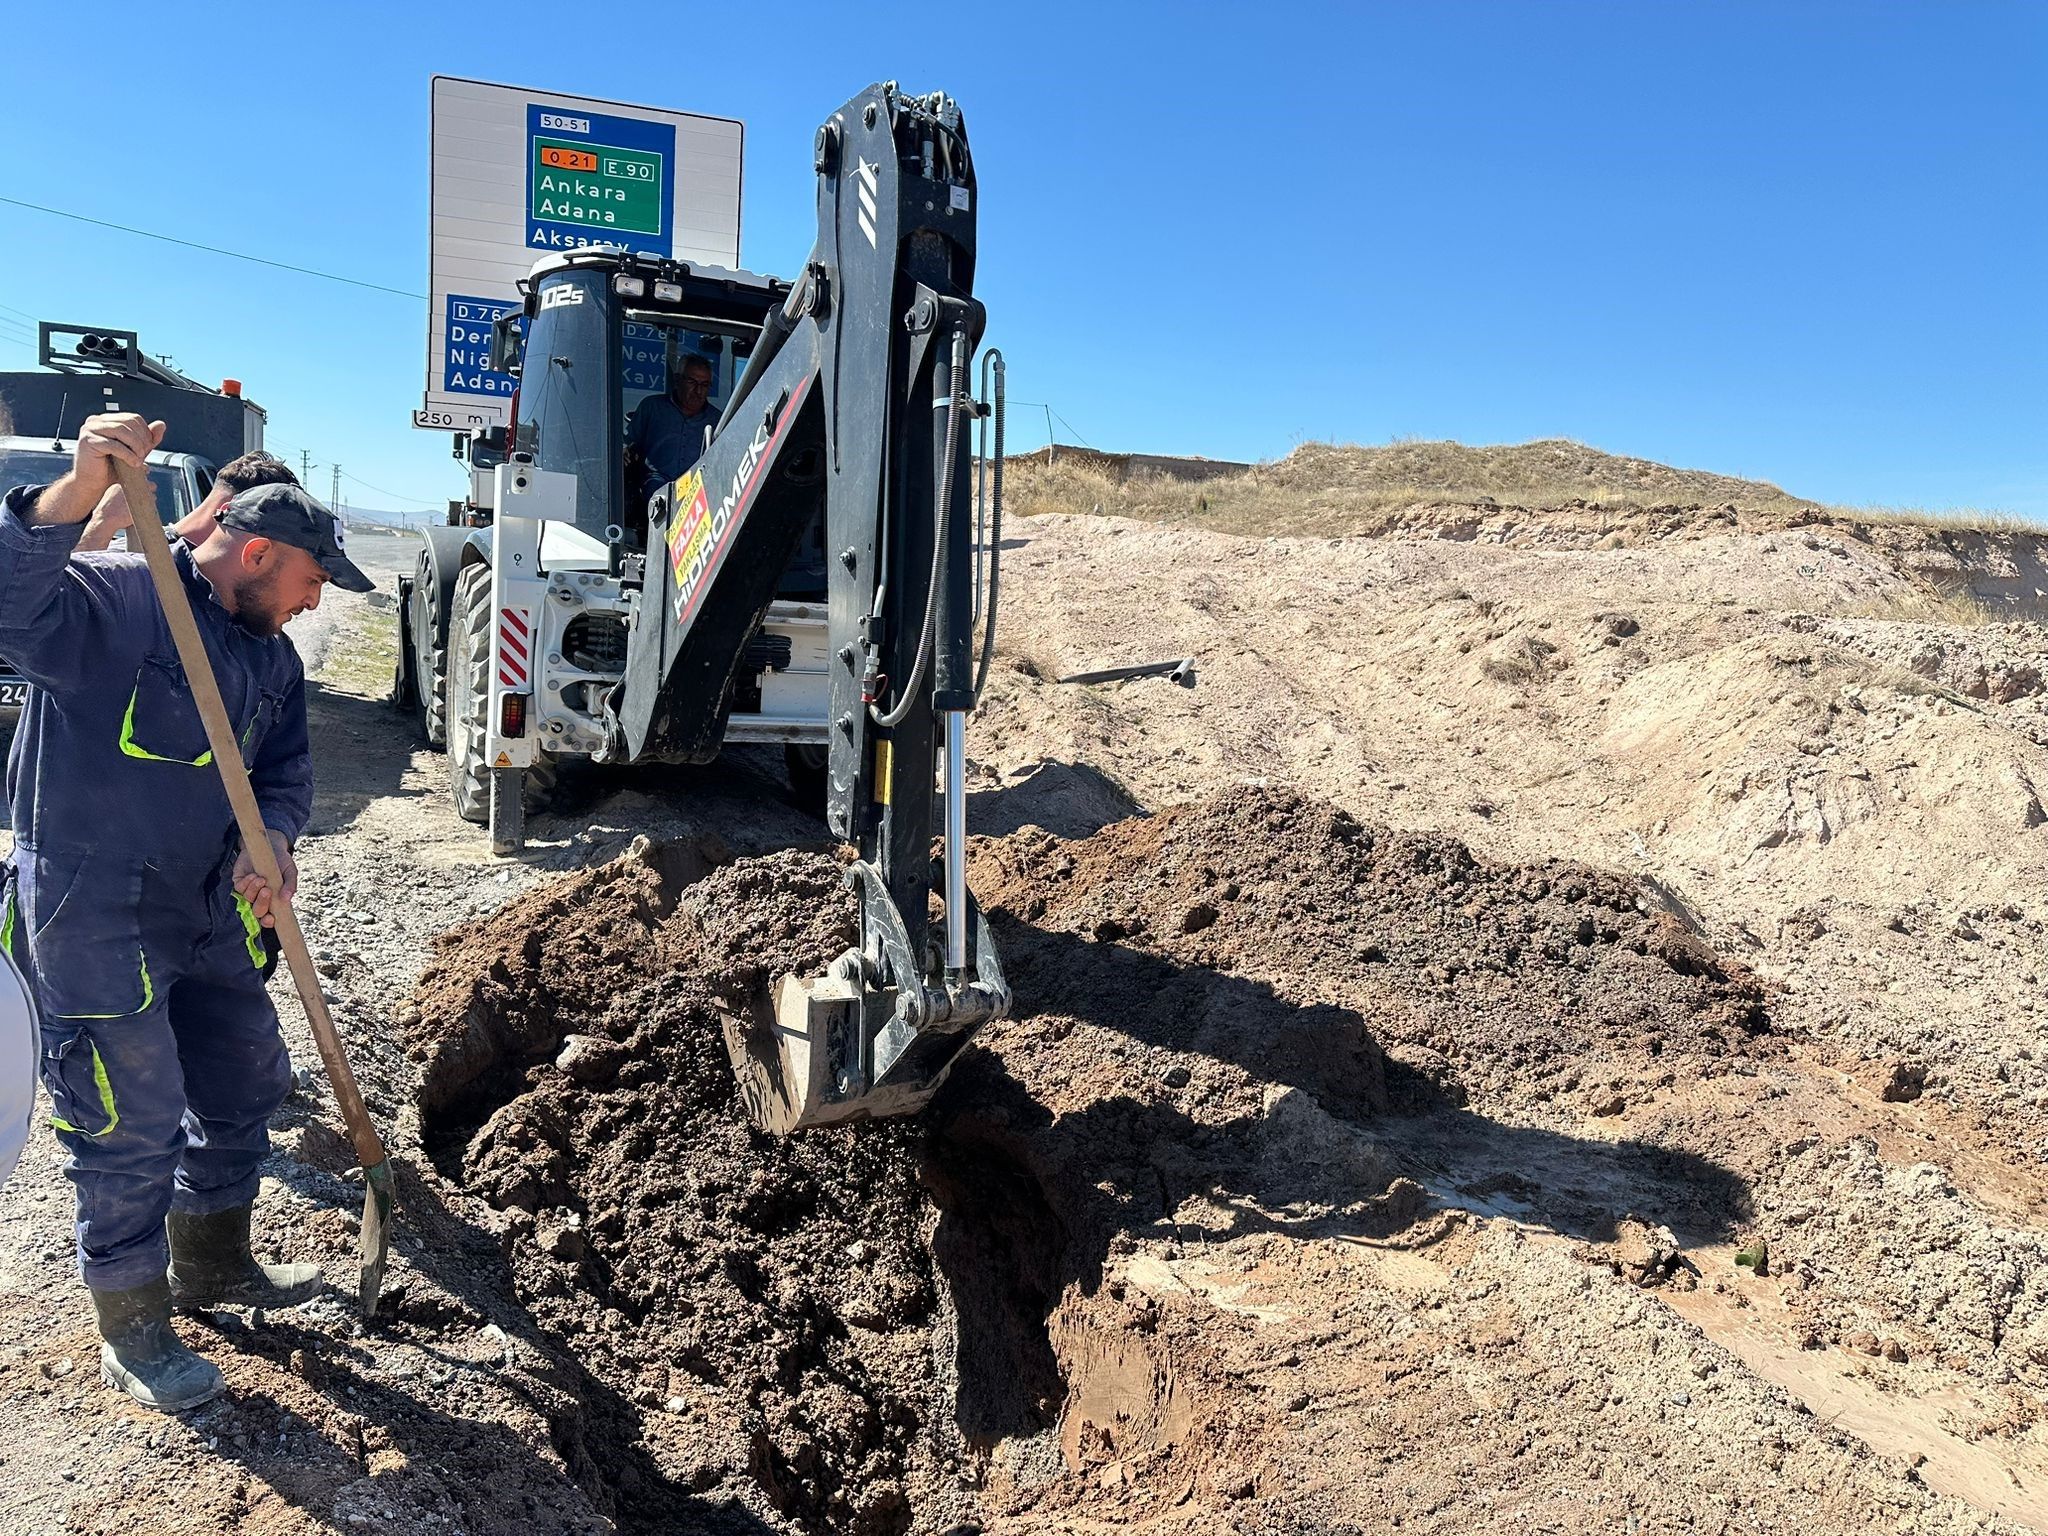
(305, 465)
(334, 496)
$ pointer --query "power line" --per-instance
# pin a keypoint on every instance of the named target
(359, 480)
(1073, 429)
(305, 455)
(1051, 416)
(261, 261)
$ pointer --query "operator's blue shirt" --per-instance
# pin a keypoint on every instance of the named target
(110, 761)
(668, 441)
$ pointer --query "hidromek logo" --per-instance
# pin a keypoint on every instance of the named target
(704, 542)
(697, 541)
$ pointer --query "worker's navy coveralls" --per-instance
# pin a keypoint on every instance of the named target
(161, 1051)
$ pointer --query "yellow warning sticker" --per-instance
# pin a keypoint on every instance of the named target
(885, 762)
(689, 534)
(504, 760)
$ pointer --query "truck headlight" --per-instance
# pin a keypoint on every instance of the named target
(668, 293)
(629, 287)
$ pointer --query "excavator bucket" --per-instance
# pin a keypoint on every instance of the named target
(799, 1056)
(786, 1059)
(872, 1037)
(782, 1055)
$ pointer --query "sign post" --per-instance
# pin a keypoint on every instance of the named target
(518, 174)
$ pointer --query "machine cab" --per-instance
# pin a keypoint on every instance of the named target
(603, 338)
(598, 348)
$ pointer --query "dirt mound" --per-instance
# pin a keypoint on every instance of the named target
(1513, 974)
(1333, 488)
(766, 1304)
(1551, 472)
(997, 1312)
(1225, 1012)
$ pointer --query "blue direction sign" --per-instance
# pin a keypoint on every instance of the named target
(594, 179)
(643, 357)
(466, 352)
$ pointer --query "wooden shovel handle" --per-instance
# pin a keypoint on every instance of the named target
(147, 534)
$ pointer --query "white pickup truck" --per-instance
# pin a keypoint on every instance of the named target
(181, 481)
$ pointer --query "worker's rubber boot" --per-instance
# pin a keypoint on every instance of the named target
(211, 1265)
(143, 1357)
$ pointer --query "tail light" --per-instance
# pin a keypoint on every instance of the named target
(512, 715)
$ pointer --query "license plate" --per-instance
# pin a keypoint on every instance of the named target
(13, 695)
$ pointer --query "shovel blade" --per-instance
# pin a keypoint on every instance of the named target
(373, 1243)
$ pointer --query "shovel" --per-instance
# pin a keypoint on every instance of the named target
(147, 534)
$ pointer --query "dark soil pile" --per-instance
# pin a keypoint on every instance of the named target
(907, 1326)
(1489, 981)
(768, 1305)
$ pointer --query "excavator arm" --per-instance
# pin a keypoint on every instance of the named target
(855, 405)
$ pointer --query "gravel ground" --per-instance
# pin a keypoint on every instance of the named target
(1558, 1092)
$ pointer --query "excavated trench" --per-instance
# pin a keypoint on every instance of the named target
(917, 1326)
(831, 1329)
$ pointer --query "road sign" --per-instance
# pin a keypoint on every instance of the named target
(643, 357)
(466, 346)
(518, 174)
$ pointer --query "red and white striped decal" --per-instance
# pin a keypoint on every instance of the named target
(515, 641)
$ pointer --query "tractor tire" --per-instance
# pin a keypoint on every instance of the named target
(430, 655)
(466, 694)
(466, 707)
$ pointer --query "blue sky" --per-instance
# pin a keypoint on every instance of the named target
(1797, 241)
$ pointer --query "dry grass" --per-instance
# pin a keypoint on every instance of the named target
(1903, 680)
(365, 666)
(1519, 659)
(1333, 490)
(1960, 609)
(1960, 519)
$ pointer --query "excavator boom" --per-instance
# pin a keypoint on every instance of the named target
(855, 406)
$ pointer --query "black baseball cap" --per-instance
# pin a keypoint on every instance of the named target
(290, 516)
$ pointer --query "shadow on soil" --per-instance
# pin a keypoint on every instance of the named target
(1069, 800)
(481, 1470)
(1032, 1202)
(361, 751)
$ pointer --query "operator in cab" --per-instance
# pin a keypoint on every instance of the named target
(666, 432)
(131, 906)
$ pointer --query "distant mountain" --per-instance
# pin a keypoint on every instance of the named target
(412, 518)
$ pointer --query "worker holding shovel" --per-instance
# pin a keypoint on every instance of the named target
(139, 915)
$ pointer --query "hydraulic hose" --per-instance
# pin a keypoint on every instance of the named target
(956, 388)
(981, 425)
(992, 542)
